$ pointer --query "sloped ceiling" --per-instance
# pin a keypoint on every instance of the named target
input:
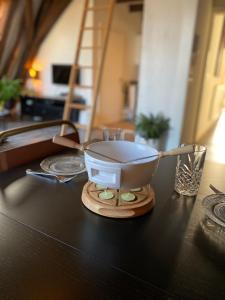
(23, 26)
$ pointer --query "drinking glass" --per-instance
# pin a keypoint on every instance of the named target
(112, 134)
(189, 171)
(115, 134)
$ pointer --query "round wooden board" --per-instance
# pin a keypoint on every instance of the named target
(145, 201)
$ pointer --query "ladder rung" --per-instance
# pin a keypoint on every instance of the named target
(107, 8)
(90, 47)
(98, 8)
(93, 28)
(81, 86)
(79, 106)
(85, 67)
(82, 126)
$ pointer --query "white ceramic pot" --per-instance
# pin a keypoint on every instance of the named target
(121, 175)
(120, 164)
(154, 143)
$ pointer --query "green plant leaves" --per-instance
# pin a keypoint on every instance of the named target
(152, 127)
(9, 89)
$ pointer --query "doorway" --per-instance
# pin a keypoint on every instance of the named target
(206, 86)
(118, 93)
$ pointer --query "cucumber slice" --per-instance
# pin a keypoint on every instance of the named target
(136, 190)
(100, 187)
(106, 195)
(127, 197)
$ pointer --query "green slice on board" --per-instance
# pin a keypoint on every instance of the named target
(136, 190)
(106, 195)
(127, 197)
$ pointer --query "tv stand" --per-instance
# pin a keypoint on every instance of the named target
(63, 94)
(44, 107)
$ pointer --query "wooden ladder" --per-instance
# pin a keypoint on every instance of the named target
(96, 84)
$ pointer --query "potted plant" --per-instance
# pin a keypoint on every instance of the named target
(9, 91)
(150, 129)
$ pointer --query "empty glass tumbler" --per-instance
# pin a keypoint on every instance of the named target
(115, 134)
(189, 171)
(112, 134)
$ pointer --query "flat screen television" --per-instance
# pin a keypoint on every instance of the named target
(61, 74)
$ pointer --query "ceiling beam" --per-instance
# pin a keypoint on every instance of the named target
(12, 55)
(136, 7)
(129, 1)
(22, 38)
(7, 9)
(48, 14)
(29, 19)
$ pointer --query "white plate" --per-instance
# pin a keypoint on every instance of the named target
(213, 205)
(64, 165)
(219, 211)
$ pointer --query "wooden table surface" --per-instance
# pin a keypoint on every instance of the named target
(52, 247)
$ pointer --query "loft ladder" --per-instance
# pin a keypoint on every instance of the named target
(97, 70)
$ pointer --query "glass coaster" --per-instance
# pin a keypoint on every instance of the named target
(64, 164)
(214, 206)
(219, 211)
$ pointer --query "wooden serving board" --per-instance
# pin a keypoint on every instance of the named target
(116, 208)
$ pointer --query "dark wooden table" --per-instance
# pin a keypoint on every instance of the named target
(52, 247)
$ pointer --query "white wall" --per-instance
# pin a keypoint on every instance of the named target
(121, 63)
(168, 30)
(59, 48)
(129, 24)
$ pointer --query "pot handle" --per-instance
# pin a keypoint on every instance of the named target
(60, 140)
(177, 151)
(107, 176)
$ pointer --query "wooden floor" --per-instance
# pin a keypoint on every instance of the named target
(122, 124)
(8, 123)
(214, 140)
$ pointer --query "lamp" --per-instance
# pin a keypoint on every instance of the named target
(33, 73)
